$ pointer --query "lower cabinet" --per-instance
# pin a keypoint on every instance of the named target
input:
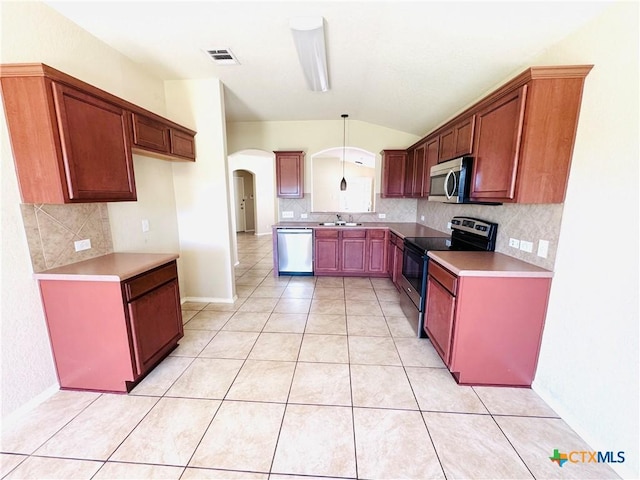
(487, 329)
(106, 335)
(394, 258)
(348, 251)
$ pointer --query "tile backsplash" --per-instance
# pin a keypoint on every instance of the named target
(52, 230)
(395, 210)
(523, 222)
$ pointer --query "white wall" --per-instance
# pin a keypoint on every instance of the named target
(202, 191)
(261, 164)
(589, 362)
(316, 136)
(33, 32)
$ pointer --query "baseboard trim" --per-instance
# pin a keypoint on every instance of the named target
(209, 299)
(24, 410)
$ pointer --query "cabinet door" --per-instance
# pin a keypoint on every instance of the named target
(183, 144)
(464, 137)
(156, 324)
(150, 134)
(410, 174)
(397, 273)
(447, 149)
(376, 251)
(290, 174)
(95, 146)
(393, 173)
(353, 250)
(326, 251)
(497, 147)
(439, 317)
(391, 246)
(431, 158)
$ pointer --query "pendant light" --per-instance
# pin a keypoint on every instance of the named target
(343, 182)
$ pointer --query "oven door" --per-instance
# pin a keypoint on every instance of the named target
(413, 284)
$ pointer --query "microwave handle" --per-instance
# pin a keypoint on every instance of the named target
(446, 185)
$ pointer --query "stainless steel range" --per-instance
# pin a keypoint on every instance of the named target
(468, 234)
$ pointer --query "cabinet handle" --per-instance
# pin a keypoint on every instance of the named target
(446, 185)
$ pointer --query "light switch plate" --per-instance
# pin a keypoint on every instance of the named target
(82, 245)
(543, 248)
(145, 226)
(422, 218)
(287, 214)
(303, 215)
(526, 246)
(382, 215)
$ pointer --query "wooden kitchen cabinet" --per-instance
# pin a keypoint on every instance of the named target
(353, 251)
(525, 134)
(395, 251)
(161, 138)
(106, 334)
(457, 140)
(326, 256)
(393, 173)
(414, 171)
(350, 251)
(432, 146)
(376, 252)
(72, 142)
(290, 174)
(486, 326)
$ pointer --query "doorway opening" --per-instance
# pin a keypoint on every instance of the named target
(244, 188)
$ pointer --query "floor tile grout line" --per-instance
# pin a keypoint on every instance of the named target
(512, 446)
(353, 416)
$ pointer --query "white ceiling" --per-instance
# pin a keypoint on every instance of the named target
(403, 65)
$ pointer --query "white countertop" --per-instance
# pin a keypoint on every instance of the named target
(486, 264)
(114, 267)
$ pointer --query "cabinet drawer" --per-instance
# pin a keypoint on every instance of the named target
(354, 233)
(376, 234)
(148, 281)
(447, 279)
(148, 133)
(326, 233)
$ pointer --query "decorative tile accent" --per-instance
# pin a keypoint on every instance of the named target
(52, 230)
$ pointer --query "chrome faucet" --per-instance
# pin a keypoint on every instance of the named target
(339, 216)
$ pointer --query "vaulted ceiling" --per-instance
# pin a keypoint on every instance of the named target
(402, 65)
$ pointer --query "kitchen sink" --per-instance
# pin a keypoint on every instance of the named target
(334, 224)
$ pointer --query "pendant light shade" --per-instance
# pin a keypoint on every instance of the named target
(343, 182)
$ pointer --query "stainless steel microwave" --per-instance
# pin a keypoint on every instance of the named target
(450, 181)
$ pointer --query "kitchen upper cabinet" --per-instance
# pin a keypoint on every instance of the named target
(432, 147)
(525, 132)
(393, 173)
(457, 140)
(72, 142)
(161, 138)
(68, 145)
(498, 147)
(290, 174)
(414, 172)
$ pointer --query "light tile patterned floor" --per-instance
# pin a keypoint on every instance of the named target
(301, 377)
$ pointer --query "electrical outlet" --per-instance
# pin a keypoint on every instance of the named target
(422, 218)
(526, 246)
(514, 242)
(382, 215)
(449, 225)
(303, 215)
(82, 245)
(145, 226)
(287, 214)
(543, 248)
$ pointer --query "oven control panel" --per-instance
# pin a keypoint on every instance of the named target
(474, 225)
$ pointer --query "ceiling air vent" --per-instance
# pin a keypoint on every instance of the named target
(222, 56)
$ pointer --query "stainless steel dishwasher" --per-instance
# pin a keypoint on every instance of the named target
(295, 251)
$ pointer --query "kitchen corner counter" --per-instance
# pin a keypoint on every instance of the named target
(487, 264)
(114, 267)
